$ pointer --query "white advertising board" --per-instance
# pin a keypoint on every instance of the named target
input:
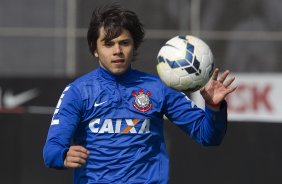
(258, 98)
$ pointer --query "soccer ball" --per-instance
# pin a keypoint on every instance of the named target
(185, 63)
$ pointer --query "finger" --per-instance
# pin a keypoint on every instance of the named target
(230, 90)
(80, 149)
(228, 82)
(70, 164)
(78, 154)
(223, 76)
(215, 74)
(77, 160)
(233, 89)
(74, 162)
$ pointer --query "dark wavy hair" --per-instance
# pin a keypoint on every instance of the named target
(114, 19)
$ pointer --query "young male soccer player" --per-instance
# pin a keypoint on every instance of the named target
(108, 124)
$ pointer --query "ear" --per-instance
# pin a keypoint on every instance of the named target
(95, 54)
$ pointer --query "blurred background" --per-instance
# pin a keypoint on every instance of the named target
(43, 47)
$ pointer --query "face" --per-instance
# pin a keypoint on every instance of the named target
(115, 55)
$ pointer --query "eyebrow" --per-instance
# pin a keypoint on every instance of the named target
(126, 39)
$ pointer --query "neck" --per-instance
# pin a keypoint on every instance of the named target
(108, 75)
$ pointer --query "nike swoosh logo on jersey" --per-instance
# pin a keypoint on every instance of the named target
(98, 104)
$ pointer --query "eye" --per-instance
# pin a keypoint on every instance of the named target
(108, 44)
(125, 42)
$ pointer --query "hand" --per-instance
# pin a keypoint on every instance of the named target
(215, 91)
(76, 157)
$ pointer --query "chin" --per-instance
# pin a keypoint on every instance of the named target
(118, 72)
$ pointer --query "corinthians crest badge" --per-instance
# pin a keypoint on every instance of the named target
(142, 101)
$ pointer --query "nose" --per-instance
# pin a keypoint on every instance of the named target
(117, 49)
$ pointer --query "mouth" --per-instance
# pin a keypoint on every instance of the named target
(118, 61)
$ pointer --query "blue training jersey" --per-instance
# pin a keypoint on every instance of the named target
(119, 119)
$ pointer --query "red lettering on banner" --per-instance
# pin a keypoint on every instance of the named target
(260, 98)
(250, 98)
